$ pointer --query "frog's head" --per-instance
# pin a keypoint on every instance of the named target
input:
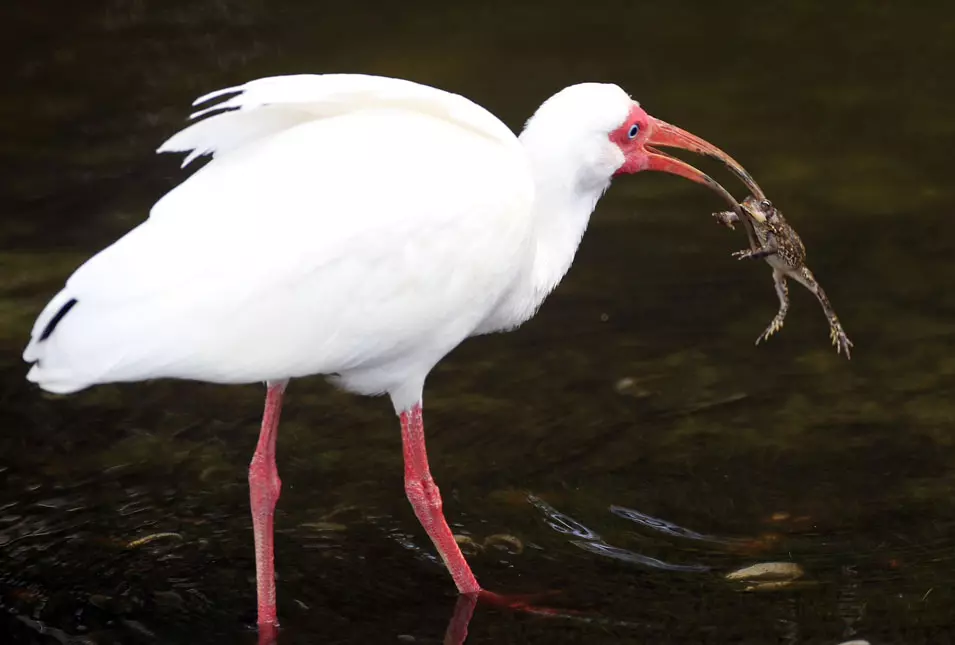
(762, 211)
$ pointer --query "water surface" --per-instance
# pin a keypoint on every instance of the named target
(631, 437)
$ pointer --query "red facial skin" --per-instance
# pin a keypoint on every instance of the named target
(639, 153)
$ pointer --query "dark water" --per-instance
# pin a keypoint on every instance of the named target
(778, 453)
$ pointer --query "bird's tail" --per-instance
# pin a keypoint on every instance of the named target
(54, 361)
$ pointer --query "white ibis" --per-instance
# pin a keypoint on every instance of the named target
(354, 226)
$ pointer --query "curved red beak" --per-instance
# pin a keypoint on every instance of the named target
(669, 136)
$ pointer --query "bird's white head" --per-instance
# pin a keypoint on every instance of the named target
(596, 131)
(576, 142)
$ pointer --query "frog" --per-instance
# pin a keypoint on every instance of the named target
(777, 242)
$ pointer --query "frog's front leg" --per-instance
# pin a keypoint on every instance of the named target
(757, 254)
(836, 333)
(729, 219)
(782, 290)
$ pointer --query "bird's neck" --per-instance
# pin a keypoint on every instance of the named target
(560, 223)
(564, 200)
(566, 190)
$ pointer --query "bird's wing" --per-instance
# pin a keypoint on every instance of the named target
(266, 106)
(318, 247)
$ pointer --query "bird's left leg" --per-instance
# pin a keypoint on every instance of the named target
(426, 500)
(264, 489)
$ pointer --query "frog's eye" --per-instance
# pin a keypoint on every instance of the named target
(765, 205)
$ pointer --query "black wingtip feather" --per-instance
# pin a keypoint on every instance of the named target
(55, 320)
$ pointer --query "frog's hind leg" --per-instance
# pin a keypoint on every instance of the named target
(836, 333)
(782, 290)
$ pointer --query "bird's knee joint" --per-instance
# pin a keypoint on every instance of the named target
(423, 492)
(263, 477)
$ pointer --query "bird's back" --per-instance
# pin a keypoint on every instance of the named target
(368, 243)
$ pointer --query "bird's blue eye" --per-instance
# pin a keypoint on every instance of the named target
(634, 130)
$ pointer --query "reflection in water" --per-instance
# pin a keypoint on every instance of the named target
(560, 522)
(464, 609)
(594, 544)
(457, 631)
(601, 548)
(789, 623)
(669, 528)
(851, 605)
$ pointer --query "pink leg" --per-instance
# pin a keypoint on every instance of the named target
(457, 631)
(426, 501)
(264, 489)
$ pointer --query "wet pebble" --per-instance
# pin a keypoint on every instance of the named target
(469, 546)
(169, 599)
(629, 386)
(767, 571)
(151, 538)
(324, 526)
(505, 542)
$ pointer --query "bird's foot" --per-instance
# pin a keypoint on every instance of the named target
(839, 339)
(524, 602)
(457, 631)
(774, 326)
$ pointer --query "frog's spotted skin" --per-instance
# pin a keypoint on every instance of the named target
(781, 247)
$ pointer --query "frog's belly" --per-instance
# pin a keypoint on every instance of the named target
(779, 264)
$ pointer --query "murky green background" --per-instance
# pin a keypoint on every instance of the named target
(783, 452)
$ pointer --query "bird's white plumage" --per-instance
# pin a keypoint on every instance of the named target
(347, 225)
(268, 105)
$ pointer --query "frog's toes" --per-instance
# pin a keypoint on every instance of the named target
(840, 340)
(726, 218)
(774, 326)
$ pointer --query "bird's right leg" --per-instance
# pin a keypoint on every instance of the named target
(264, 489)
(782, 290)
(426, 500)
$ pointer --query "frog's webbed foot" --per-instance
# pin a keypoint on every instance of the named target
(774, 326)
(750, 254)
(836, 333)
(727, 219)
(782, 292)
(838, 336)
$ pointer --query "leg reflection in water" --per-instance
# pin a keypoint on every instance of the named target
(581, 537)
(457, 631)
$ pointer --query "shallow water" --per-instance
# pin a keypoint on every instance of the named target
(631, 438)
